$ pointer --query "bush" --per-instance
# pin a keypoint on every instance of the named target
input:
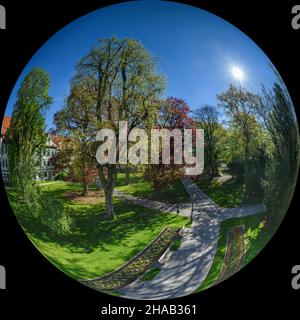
(175, 245)
(62, 175)
(53, 216)
(236, 169)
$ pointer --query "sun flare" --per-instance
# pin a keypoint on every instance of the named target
(237, 73)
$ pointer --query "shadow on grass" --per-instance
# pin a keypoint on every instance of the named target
(258, 234)
(93, 237)
(227, 194)
(140, 188)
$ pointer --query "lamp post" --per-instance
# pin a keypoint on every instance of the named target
(192, 211)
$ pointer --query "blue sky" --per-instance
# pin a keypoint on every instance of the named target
(195, 50)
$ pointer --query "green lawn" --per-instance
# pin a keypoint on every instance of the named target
(151, 274)
(144, 189)
(96, 245)
(257, 236)
(228, 194)
(176, 245)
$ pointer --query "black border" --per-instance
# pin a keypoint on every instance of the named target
(37, 289)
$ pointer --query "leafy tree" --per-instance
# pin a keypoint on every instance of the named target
(277, 112)
(26, 141)
(75, 121)
(61, 162)
(26, 134)
(241, 106)
(207, 118)
(127, 85)
(173, 114)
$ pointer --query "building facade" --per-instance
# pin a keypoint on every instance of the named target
(45, 169)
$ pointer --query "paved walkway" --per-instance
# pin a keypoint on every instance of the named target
(188, 266)
(184, 208)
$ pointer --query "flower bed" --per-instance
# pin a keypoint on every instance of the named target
(138, 265)
(235, 252)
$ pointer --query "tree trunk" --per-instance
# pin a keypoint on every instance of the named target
(110, 213)
(246, 168)
(215, 169)
(85, 180)
(108, 184)
(127, 179)
(85, 190)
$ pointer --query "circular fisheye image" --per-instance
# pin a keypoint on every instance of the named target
(149, 150)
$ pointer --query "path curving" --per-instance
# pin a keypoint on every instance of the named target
(184, 208)
(188, 266)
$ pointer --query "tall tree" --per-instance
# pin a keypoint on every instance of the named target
(26, 134)
(277, 111)
(241, 106)
(207, 118)
(75, 121)
(127, 85)
(26, 140)
(173, 114)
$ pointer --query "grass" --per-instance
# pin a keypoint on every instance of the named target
(257, 236)
(96, 245)
(140, 188)
(227, 194)
(175, 245)
(151, 274)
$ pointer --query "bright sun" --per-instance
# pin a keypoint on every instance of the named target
(238, 73)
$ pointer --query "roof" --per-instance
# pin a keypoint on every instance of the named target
(5, 125)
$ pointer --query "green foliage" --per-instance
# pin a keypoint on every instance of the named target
(95, 245)
(75, 120)
(241, 107)
(257, 236)
(127, 83)
(140, 188)
(26, 134)
(207, 118)
(150, 274)
(53, 216)
(26, 137)
(227, 194)
(62, 175)
(283, 161)
(175, 245)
